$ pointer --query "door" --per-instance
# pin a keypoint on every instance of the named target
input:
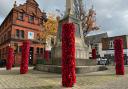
(31, 56)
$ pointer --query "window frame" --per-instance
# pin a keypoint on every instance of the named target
(111, 44)
(20, 34)
(31, 19)
(17, 33)
(21, 16)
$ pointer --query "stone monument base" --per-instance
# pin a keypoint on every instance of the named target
(79, 69)
(82, 66)
(79, 62)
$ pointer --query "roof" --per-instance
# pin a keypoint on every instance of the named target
(95, 38)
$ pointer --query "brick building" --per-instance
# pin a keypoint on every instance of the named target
(95, 41)
(22, 23)
(108, 46)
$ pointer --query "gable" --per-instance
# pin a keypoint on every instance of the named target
(30, 7)
(32, 2)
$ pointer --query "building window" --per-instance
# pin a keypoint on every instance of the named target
(31, 19)
(19, 33)
(38, 51)
(22, 34)
(111, 45)
(20, 16)
(41, 50)
(20, 49)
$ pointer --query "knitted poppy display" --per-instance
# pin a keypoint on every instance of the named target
(119, 56)
(25, 57)
(46, 55)
(10, 58)
(93, 53)
(68, 55)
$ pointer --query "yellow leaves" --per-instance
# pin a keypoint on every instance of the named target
(49, 28)
(51, 25)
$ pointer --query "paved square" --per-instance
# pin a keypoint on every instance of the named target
(43, 80)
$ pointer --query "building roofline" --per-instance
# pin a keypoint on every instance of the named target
(6, 17)
(115, 36)
(118, 36)
(98, 34)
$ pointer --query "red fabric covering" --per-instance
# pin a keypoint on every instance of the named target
(68, 55)
(46, 55)
(10, 59)
(25, 57)
(93, 53)
(119, 57)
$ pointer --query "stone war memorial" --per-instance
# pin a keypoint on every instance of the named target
(83, 63)
(62, 50)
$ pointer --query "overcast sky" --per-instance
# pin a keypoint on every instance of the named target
(112, 15)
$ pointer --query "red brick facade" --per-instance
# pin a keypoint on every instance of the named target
(23, 20)
(106, 42)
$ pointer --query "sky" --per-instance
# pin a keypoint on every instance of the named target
(111, 15)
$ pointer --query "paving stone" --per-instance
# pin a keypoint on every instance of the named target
(43, 80)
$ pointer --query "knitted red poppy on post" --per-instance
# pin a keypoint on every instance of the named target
(93, 53)
(68, 55)
(25, 57)
(46, 55)
(119, 56)
(10, 58)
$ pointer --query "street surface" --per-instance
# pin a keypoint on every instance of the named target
(43, 80)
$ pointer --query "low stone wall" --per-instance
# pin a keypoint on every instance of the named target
(79, 62)
(79, 69)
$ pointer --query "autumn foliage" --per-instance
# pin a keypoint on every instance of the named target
(49, 28)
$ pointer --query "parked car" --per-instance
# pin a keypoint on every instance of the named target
(102, 61)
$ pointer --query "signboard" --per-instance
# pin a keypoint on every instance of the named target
(30, 35)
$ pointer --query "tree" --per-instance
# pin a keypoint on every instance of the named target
(49, 28)
(88, 19)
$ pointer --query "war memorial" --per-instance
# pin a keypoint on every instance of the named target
(69, 65)
(83, 63)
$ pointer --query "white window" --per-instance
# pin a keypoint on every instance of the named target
(111, 45)
(30, 35)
